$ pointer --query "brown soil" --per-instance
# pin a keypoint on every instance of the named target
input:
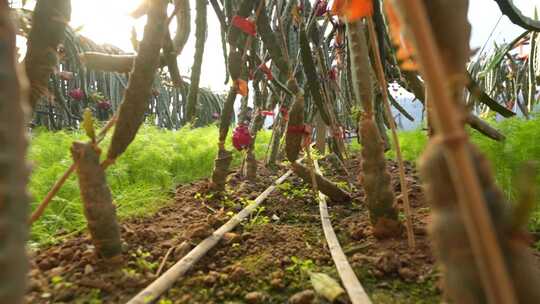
(265, 260)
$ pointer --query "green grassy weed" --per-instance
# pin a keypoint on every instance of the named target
(141, 180)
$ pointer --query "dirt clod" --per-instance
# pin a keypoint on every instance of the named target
(255, 297)
(303, 297)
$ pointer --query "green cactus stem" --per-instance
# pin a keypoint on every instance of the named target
(138, 92)
(200, 34)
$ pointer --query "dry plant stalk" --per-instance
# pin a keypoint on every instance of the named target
(321, 130)
(251, 160)
(98, 206)
(442, 60)
(374, 175)
(221, 169)
(169, 58)
(14, 170)
(172, 48)
(388, 112)
(273, 42)
(138, 92)
(49, 22)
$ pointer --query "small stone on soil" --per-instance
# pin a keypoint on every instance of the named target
(357, 233)
(57, 271)
(237, 273)
(231, 237)
(407, 274)
(66, 254)
(303, 297)
(88, 269)
(46, 263)
(255, 297)
(211, 278)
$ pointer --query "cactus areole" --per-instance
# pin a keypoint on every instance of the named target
(241, 138)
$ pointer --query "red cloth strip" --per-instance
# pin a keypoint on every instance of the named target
(245, 25)
(301, 129)
(267, 113)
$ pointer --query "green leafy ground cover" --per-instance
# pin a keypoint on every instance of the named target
(141, 180)
(146, 175)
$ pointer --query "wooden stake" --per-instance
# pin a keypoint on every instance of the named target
(473, 208)
(384, 90)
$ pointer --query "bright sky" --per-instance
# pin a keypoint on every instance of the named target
(107, 21)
